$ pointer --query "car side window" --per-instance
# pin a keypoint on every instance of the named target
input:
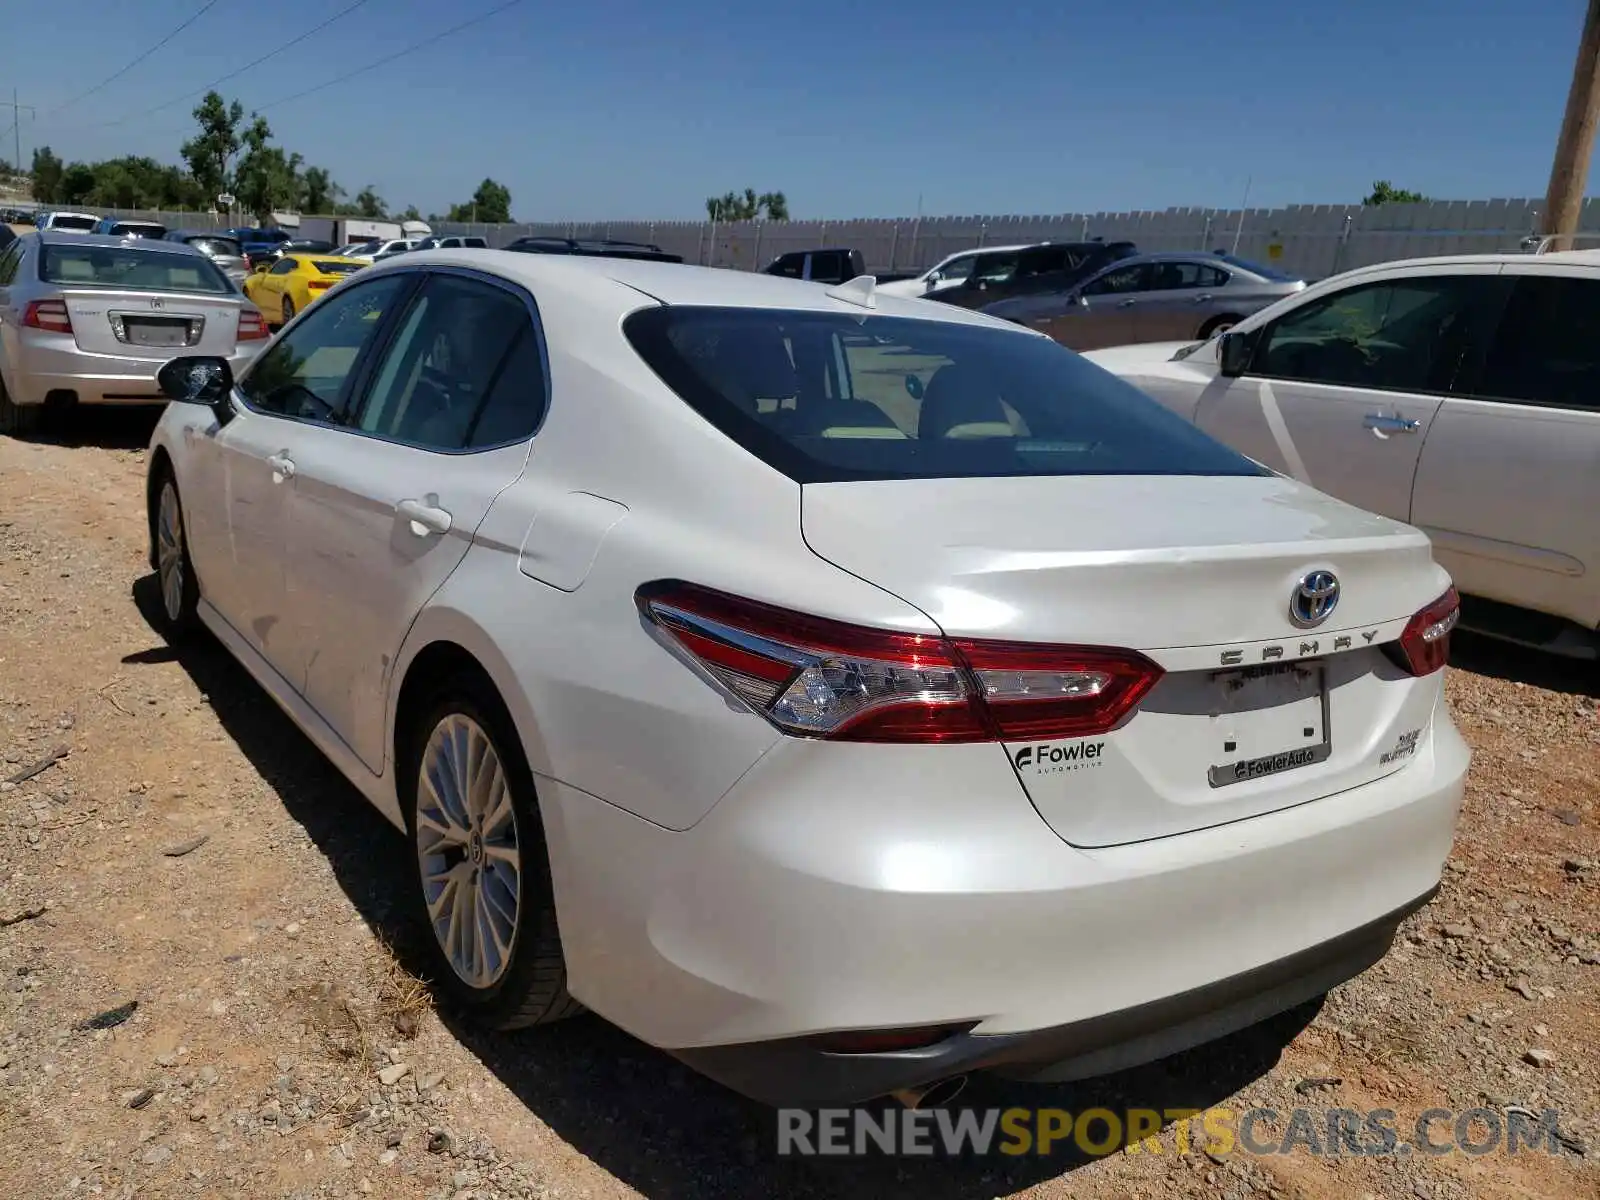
(1407, 335)
(282, 267)
(1212, 277)
(452, 350)
(790, 266)
(1547, 348)
(1124, 279)
(957, 269)
(9, 258)
(1182, 276)
(307, 374)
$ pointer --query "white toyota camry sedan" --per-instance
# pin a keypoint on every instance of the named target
(843, 693)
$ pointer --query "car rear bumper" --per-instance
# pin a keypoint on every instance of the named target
(42, 370)
(841, 888)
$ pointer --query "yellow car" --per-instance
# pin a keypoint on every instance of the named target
(294, 281)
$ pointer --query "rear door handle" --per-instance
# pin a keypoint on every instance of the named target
(1382, 423)
(282, 466)
(1203, 298)
(425, 518)
(1127, 304)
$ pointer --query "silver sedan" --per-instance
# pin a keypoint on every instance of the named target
(86, 319)
(1151, 298)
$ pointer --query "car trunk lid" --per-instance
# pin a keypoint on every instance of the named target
(1252, 714)
(154, 326)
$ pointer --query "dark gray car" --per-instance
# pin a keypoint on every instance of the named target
(1151, 298)
(219, 248)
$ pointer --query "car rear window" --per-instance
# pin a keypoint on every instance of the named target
(138, 229)
(825, 397)
(216, 245)
(147, 270)
(84, 223)
(335, 268)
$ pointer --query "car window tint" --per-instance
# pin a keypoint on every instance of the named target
(452, 345)
(516, 399)
(1125, 279)
(128, 267)
(307, 372)
(790, 266)
(1175, 276)
(957, 269)
(994, 268)
(1547, 349)
(8, 263)
(282, 267)
(1400, 335)
(1212, 277)
(834, 396)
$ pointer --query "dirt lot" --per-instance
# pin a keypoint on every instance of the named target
(278, 1048)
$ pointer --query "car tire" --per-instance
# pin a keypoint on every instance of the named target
(466, 857)
(16, 420)
(175, 574)
(1217, 325)
(288, 311)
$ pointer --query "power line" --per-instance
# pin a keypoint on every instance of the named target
(289, 45)
(112, 78)
(389, 58)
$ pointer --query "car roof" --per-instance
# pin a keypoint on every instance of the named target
(49, 237)
(634, 281)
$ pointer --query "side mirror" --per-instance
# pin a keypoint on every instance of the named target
(198, 380)
(1078, 300)
(1233, 353)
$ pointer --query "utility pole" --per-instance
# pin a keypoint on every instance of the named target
(1569, 174)
(16, 123)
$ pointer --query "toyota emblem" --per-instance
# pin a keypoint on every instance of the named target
(1314, 598)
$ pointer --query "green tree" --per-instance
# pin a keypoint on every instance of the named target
(319, 192)
(748, 207)
(77, 182)
(369, 204)
(267, 179)
(411, 213)
(210, 152)
(1384, 192)
(490, 203)
(47, 172)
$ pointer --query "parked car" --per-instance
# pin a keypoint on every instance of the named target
(819, 266)
(1045, 267)
(593, 248)
(353, 248)
(1150, 298)
(764, 666)
(947, 272)
(259, 244)
(66, 222)
(219, 248)
(117, 227)
(452, 241)
(86, 319)
(386, 249)
(291, 284)
(1459, 394)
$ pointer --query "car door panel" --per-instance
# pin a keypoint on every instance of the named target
(387, 508)
(1509, 481)
(1341, 392)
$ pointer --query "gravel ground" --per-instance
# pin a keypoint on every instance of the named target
(203, 985)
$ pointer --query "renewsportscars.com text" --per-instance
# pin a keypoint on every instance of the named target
(1214, 1131)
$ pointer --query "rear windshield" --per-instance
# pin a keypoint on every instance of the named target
(113, 266)
(226, 247)
(1257, 269)
(825, 397)
(138, 229)
(335, 268)
(73, 223)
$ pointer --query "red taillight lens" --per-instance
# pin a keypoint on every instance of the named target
(252, 326)
(813, 677)
(50, 315)
(1424, 647)
(320, 285)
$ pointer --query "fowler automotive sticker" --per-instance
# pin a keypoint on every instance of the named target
(1046, 759)
(1268, 764)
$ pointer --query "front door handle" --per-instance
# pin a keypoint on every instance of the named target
(1127, 304)
(1203, 298)
(1381, 423)
(282, 466)
(425, 518)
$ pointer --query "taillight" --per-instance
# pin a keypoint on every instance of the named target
(252, 326)
(1424, 647)
(813, 677)
(318, 285)
(50, 315)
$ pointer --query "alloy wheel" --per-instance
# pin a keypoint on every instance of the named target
(169, 551)
(468, 850)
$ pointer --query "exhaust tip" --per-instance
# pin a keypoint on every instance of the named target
(931, 1095)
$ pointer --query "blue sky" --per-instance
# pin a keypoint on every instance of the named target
(610, 109)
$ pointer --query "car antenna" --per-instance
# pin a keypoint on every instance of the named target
(859, 291)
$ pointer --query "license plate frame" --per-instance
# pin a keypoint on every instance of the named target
(1236, 686)
(158, 333)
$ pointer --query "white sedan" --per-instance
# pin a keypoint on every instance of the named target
(1459, 394)
(845, 694)
(947, 272)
